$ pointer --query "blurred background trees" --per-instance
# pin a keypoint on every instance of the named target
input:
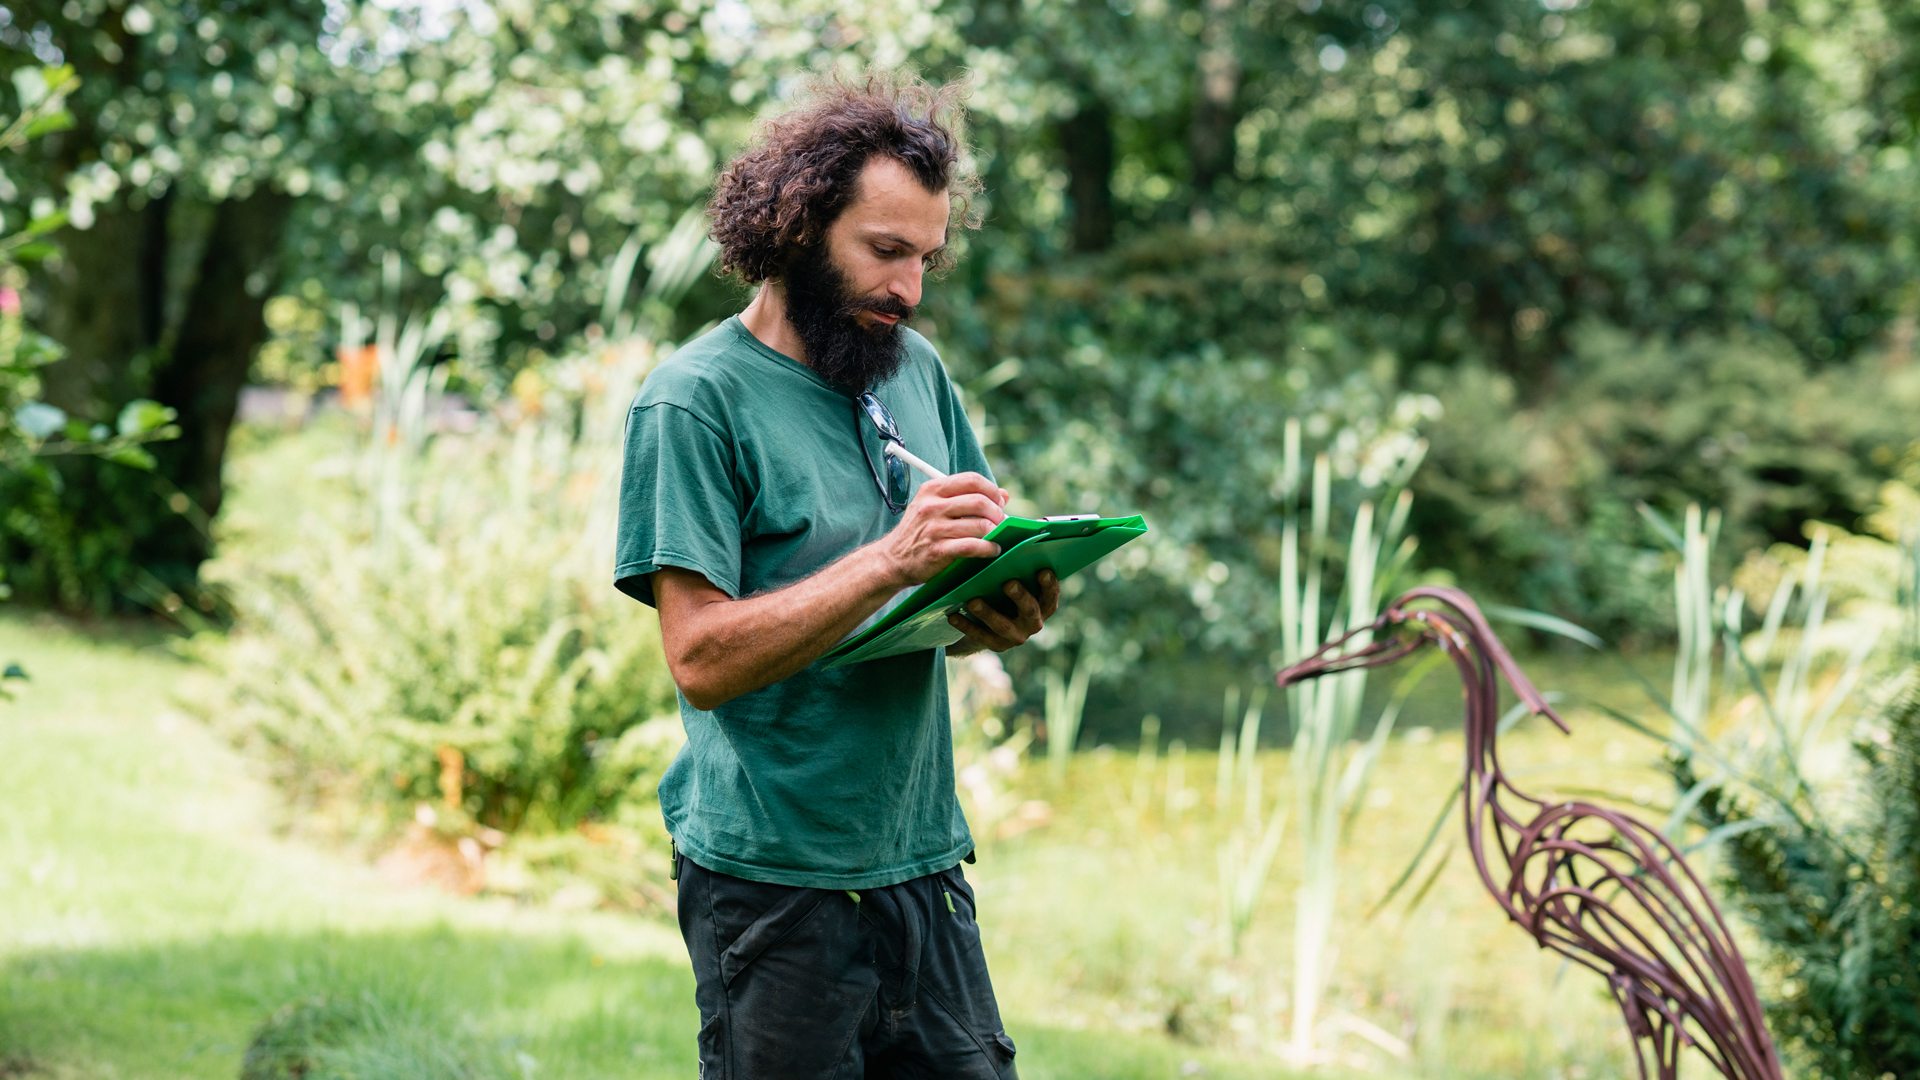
(1572, 253)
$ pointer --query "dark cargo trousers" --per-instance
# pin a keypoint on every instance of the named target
(820, 984)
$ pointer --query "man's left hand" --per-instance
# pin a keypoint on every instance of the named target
(989, 629)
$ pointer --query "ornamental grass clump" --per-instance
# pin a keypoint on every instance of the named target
(437, 655)
(1818, 848)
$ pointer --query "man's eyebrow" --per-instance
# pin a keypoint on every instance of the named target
(900, 241)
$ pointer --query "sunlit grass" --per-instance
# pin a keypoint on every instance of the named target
(155, 909)
(1109, 918)
(151, 917)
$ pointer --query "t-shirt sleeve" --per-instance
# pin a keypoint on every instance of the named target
(963, 447)
(678, 502)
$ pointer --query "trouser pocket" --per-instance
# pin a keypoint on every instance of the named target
(779, 921)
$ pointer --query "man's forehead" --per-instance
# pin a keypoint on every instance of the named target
(892, 205)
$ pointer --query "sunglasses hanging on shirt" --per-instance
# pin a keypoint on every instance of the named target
(889, 472)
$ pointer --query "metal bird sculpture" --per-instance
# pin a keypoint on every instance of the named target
(1598, 886)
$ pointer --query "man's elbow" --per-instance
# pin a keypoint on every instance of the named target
(703, 699)
(698, 685)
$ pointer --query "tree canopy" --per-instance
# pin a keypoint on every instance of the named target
(1202, 217)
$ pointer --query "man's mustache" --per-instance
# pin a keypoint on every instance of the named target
(891, 305)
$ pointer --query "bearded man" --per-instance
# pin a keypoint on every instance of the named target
(818, 839)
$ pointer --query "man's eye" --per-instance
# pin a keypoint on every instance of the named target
(885, 253)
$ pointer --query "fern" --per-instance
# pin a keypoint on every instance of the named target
(1836, 900)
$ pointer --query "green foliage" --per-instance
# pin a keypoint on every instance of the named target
(361, 656)
(1460, 186)
(52, 560)
(1193, 442)
(1467, 178)
(1819, 854)
(1838, 905)
(442, 644)
(1534, 501)
(1189, 201)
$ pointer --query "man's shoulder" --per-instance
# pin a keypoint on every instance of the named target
(923, 363)
(919, 349)
(698, 376)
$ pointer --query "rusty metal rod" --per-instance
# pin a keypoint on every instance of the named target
(1596, 885)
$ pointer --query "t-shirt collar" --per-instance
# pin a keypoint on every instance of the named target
(779, 357)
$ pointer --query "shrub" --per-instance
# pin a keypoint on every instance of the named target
(445, 646)
(1838, 906)
(1535, 500)
(1820, 854)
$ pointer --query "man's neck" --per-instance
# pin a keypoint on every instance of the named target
(766, 319)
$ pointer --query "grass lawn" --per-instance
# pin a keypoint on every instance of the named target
(153, 916)
(1111, 913)
(151, 919)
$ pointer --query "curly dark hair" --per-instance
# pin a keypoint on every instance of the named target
(780, 195)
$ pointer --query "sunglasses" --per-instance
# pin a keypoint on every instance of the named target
(889, 473)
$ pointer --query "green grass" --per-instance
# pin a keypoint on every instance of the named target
(151, 917)
(155, 909)
(1112, 919)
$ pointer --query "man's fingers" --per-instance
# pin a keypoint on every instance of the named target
(978, 634)
(965, 483)
(972, 528)
(969, 506)
(996, 622)
(968, 548)
(1049, 594)
(1030, 617)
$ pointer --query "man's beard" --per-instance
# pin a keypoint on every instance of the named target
(824, 312)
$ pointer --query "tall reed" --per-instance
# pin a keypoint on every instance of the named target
(1821, 667)
(1252, 838)
(1066, 704)
(1329, 780)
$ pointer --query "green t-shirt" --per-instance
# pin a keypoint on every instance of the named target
(746, 466)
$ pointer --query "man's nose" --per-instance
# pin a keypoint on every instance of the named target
(906, 286)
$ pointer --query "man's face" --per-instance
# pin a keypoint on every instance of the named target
(846, 296)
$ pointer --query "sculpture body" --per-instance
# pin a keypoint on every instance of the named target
(1599, 886)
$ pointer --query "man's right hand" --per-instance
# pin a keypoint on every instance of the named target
(719, 647)
(944, 522)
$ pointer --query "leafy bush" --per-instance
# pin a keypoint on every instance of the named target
(1839, 906)
(444, 646)
(1535, 500)
(1820, 853)
(54, 558)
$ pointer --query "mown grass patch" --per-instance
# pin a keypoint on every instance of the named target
(153, 917)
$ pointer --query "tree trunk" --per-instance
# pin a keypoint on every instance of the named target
(1086, 137)
(145, 310)
(1210, 140)
(223, 325)
(106, 300)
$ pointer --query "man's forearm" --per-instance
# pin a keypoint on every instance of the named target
(719, 648)
(727, 647)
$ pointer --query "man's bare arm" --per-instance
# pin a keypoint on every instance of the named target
(719, 648)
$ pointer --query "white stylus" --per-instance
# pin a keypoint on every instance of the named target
(910, 458)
